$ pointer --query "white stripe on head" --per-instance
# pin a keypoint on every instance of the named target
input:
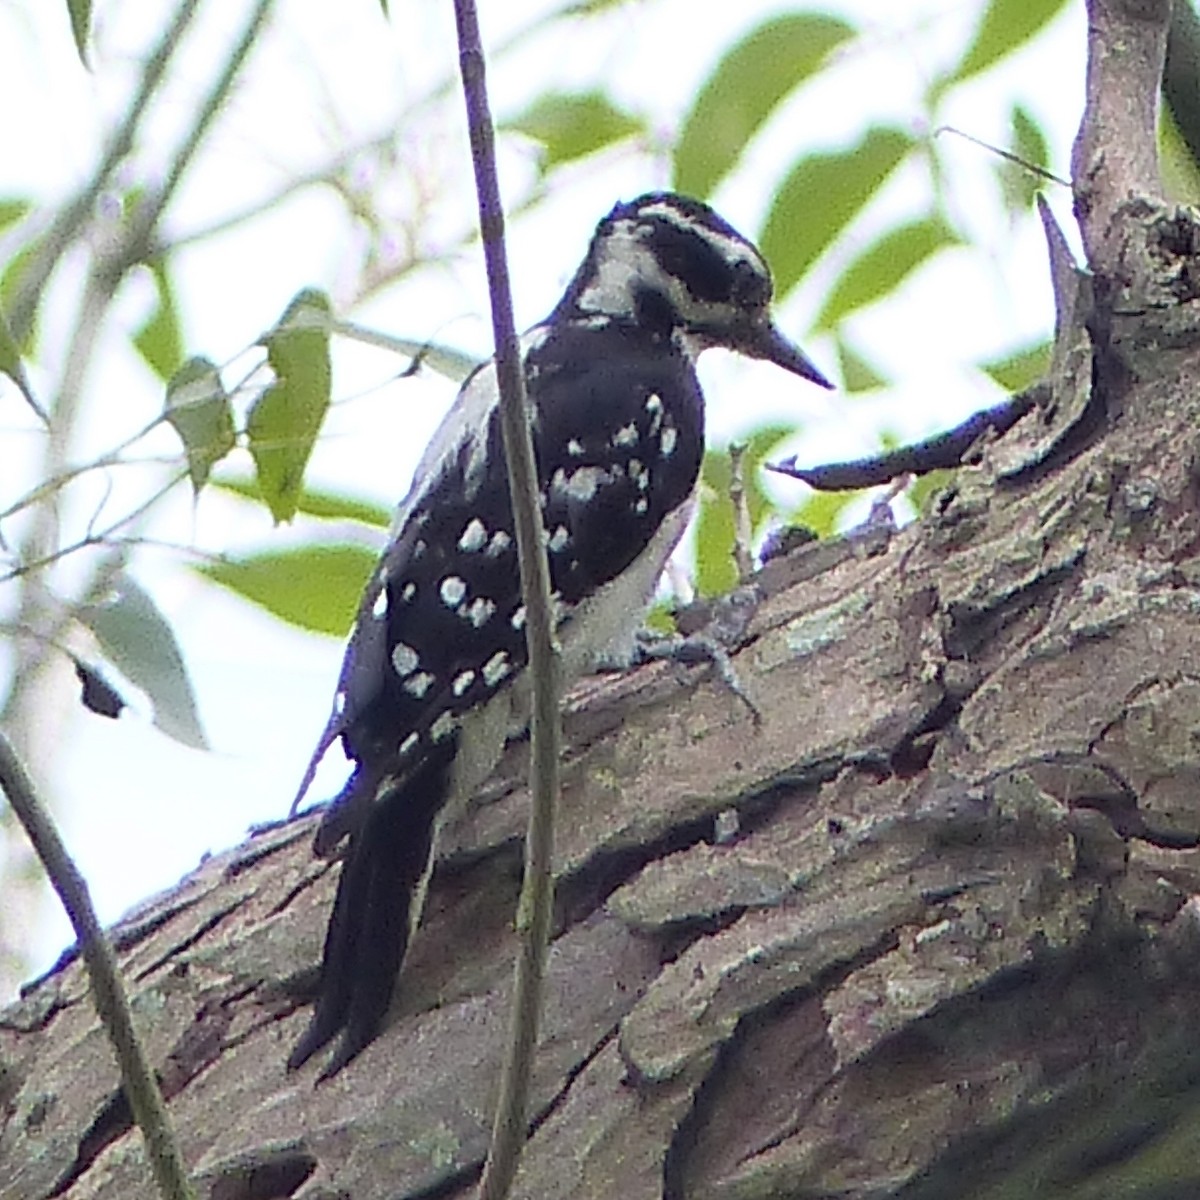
(730, 245)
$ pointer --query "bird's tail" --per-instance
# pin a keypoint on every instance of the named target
(378, 905)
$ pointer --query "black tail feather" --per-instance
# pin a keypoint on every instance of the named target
(368, 929)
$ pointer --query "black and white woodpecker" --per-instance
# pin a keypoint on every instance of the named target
(433, 680)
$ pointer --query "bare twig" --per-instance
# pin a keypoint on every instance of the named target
(509, 1127)
(93, 538)
(347, 156)
(1000, 152)
(218, 94)
(112, 1004)
(110, 458)
(66, 226)
(942, 452)
(15, 370)
(743, 530)
(41, 544)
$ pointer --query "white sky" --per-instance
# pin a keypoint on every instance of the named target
(137, 809)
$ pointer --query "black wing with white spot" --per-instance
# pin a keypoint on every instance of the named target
(619, 456)
(618, 436)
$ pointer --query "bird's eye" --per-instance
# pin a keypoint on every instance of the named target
(751, 288)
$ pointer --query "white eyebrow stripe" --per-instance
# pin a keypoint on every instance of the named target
(734, 249)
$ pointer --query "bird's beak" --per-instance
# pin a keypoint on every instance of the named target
(763, 340)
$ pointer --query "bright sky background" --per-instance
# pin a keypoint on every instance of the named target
(138, 810)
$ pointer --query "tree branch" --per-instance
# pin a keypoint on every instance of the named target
(1116, 153)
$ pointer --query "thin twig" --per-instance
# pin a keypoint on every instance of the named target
(346, 157)
(509, 1127)
(65, 228)
(16, 372)
(217, 96)
(138, 1079)
(1007, 155)
(110, 458)
(743, 529)
(103, 538)
(40, 544)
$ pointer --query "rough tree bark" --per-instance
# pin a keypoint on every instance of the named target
(930, 930)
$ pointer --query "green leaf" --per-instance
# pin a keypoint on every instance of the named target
(1020, 369)
(139, 641)
(11, 280)
(328, 506)
(198, 408)
(882, 267)
(822, 511)
(317, 587)
(820, 196)
(573, 125)
(716, 572)
(923, 489)
(1180, 171)
(584, 8)
(12, 366)
(1005, 26)
(284, 421)
(159, 341)
(1029, 142)
(660, 618)
(1018, 185)
(858, 375)
(80, 12)
(746, 86)
(10, 353)
(12, 211)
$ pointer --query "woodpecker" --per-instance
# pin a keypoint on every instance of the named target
(433, 681)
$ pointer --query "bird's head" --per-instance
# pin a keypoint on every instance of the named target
(675, 267)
